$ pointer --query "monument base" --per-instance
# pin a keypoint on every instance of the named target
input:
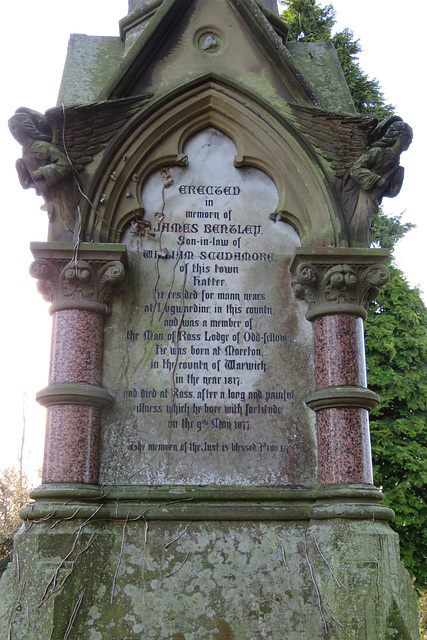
(292, 569)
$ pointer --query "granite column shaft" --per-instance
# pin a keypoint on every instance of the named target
(81, 290)
(72, 429)
(342, 432)
(338, 284)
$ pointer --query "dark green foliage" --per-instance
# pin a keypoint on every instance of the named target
(396, 348)
(385, 231)
(309, 22)
(365, 92)
(396, 345)
(396, 328)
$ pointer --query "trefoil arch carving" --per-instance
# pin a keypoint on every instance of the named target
(155, 138)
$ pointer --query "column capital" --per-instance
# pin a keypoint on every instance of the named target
(84, 276)
(335, 280)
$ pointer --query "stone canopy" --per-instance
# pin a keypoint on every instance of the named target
(292, 96)
(163, 56)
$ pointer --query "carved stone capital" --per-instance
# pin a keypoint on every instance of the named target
(86, 276)
(338, 280)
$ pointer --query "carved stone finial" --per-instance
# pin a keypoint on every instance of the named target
(335, 280)
(87, 281)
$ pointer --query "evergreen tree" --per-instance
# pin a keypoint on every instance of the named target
(309, 22)
(396, 348)
(396, 328)
(365, 92)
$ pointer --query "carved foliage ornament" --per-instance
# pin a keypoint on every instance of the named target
(78, 284)
(340, 288)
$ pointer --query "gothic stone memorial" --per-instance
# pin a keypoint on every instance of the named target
(210, 354)
(209, 190)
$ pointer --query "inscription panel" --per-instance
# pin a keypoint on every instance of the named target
(208, 353)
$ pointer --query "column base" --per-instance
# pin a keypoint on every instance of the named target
(54, 502)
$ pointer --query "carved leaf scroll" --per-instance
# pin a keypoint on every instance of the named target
(339, 282)
(85, 284)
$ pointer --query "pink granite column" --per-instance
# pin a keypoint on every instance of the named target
(81, 292)
(342, 432)
(72, 430)
(337, 284)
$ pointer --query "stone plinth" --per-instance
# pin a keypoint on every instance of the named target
(209, 563)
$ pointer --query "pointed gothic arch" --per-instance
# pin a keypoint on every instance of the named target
(155, 138)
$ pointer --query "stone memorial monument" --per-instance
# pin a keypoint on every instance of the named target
(207, 474)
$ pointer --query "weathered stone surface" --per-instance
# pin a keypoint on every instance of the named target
(269, 4)
(209, 345)
(194, 581)
(134, 4)
(200, 528)
(319, 63)
(339, 281)
(90, 61)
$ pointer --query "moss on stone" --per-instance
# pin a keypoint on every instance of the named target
(338, 579)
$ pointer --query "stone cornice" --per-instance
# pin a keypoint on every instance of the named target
(336, 280)
(207, 503)
(84, 276)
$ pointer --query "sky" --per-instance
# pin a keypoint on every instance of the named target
(33, 49)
